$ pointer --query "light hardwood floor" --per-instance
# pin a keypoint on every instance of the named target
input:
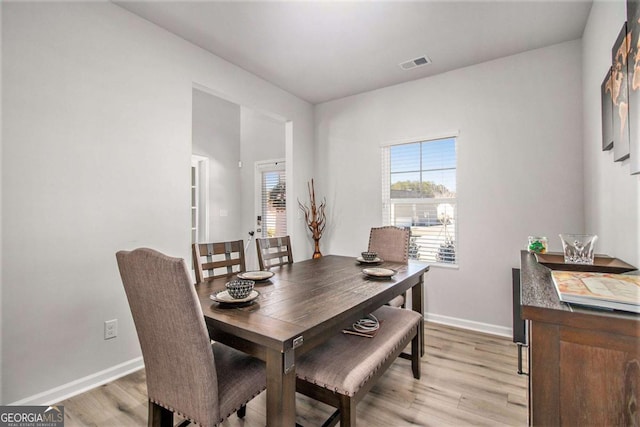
(468, 378)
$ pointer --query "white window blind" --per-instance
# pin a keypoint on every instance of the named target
(274, 203)
(419, 192)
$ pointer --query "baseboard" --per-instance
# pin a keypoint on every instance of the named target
(469, 324)
(73, 388)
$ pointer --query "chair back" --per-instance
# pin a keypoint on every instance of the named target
(274, 252)
(176, 348)
(213, 260)
(391, 243)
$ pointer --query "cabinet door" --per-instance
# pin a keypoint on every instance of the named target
(599, 378)
(583, 377)
(544, 372)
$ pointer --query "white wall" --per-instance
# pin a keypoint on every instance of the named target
(216, 135)
(96, 146)
(612, 195)
(1, 220)
(519, 168)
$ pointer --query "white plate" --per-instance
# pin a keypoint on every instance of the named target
(379, 272)
(376, 260)
(224, 297)
(256, 275)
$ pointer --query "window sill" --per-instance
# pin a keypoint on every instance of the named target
(437, 264)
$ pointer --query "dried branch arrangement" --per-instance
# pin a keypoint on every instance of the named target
(315, 218)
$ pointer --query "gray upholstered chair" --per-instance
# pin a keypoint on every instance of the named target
(213, 260)
(186, 374)
(274, 252)
(342, 370)
(392, 245)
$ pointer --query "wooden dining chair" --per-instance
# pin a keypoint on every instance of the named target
(342, 370)
(274, 252)
(186, 374)
(213, 260)
(392, 245)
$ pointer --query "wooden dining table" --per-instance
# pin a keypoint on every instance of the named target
(302, 305)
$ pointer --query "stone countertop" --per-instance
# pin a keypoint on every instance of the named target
(537, 287)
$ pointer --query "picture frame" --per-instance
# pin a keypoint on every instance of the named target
(619, 94)
(633, 78)
(607, 112)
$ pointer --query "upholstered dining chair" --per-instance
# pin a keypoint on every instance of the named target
(274, 252)
(392, 245)
(213, 260)
(186, 374)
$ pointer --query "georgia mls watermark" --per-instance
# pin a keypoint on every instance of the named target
(32, 416)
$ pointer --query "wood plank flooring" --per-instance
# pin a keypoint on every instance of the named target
(468, 378)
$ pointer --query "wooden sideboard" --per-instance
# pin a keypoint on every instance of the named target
(584, 364)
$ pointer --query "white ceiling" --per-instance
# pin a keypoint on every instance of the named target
(323, 50)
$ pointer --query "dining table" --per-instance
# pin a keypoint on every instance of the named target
(302, 305)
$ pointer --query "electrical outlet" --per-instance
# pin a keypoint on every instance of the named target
(110, 329)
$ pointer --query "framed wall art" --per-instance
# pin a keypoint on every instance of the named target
(619, 94)
(633, 79)
(607, 113)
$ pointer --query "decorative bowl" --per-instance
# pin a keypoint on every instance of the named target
(369, 256)
(239, 288)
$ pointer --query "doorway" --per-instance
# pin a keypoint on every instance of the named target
(233, 138)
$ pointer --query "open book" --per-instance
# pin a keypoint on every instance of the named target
(605, 290)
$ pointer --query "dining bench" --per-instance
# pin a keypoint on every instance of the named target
(342, 370)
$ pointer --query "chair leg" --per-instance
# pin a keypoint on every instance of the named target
(347, 412)
(422, 340)
(159, 416)
(416, 345)
(242, 411)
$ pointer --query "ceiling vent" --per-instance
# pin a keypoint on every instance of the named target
(417, 62)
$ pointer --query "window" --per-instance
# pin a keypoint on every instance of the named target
(273, 199)
(419, 192)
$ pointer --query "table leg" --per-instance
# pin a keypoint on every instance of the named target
(417, 304)
(281, 389)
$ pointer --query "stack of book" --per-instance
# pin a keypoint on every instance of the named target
(602, 290)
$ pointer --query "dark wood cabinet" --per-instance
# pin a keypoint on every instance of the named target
(584, 363)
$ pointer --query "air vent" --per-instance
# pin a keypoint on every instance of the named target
(417, 62)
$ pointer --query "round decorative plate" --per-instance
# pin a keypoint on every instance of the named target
(379, 272)
(224, 297)
(256, 275)
(376, 260)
